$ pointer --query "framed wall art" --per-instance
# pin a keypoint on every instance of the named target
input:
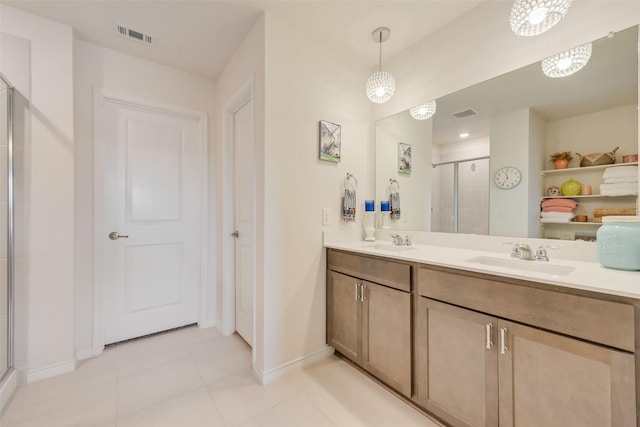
(404, 158)
(329, 141)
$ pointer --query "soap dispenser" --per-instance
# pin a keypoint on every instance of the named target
(369, 223)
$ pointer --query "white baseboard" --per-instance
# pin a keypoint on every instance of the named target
(7, 388)
(209, 324)
(272, 375)
(87, 353)
(51, 371)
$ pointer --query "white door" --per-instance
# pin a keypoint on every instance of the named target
(244, 196)
(150, 272)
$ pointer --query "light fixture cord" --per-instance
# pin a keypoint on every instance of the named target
(380, 55)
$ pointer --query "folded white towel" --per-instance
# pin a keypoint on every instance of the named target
(620, 171)
(619, 180)
(555, 220)
(561, 215)
(630, 186)
(620, 192)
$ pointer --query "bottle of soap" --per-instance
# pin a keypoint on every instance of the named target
(369, 223)
(385, 214)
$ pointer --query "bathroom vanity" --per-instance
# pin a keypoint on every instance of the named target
(480, 344)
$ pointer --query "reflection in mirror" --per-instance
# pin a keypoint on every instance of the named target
(518, 119)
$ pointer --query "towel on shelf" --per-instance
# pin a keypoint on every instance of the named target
(394, 204)
(349, 206)
(559, 209)
(619, 189)
(564, 203)
(558, 215)
(620, 180)
(620, 172)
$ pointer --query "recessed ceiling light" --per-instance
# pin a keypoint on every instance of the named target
(464, 134)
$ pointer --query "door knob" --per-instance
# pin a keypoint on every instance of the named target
(236, 234)
(115, 236)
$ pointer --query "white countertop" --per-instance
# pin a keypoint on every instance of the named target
(587, 276)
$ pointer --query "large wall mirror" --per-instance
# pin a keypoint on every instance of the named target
(517, 120)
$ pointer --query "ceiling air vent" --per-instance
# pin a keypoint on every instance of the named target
(467, 112)
(135, 35)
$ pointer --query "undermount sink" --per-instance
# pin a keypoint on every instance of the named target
(523, 265)
(390, 247)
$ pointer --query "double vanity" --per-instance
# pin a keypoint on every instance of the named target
(480, 338)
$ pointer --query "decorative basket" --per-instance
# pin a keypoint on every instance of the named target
(597, 159)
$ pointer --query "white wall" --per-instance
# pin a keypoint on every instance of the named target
(45, 291)
(415, 202)
(97, 67)
(306, 81)
(594, 133)
(247, 66)
(510, 147)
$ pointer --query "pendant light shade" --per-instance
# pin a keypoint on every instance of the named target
(423, 111)
(567, 62)
(533, 17)
(381, 85)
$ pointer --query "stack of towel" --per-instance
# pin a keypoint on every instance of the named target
(558, 210)
(620, 181)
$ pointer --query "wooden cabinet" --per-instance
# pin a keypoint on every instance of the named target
(370, 323)
(477, 369)
(456, 369)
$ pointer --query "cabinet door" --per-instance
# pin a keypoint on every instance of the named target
(386, 335)
(555, 381)
(456, 364)
(343, 315)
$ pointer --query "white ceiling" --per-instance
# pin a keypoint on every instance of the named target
(201, 36)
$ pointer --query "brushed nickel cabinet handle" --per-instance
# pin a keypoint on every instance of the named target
(503, 340)
(363, 296)
(357, 285)
(489, 327)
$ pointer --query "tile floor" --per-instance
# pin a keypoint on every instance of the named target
(196, 377)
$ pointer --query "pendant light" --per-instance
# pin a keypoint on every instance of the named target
(423, 111)
(381, 85)
(533, 17)
(567, 62)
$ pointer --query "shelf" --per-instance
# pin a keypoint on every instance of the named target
(590, 196)
(584, 169)
(571, 223)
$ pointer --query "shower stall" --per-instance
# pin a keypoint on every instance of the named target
(6, 228)
(460, 196)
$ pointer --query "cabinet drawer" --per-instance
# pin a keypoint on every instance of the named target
(605, 322)
(389, 273)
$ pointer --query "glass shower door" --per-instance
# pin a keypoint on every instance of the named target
(6, 225)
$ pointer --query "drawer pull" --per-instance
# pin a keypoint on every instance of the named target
(363, 297)
(489, 334)
(503, 340)
(357, 286)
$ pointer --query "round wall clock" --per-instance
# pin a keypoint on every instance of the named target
(507, 177)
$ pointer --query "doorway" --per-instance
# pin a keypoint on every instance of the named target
(149, 218)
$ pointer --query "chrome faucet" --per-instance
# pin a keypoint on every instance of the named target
(541, 254)
(522, 251)
(399, 241)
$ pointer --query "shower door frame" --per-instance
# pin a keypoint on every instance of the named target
(456, 169)
(10, 213)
